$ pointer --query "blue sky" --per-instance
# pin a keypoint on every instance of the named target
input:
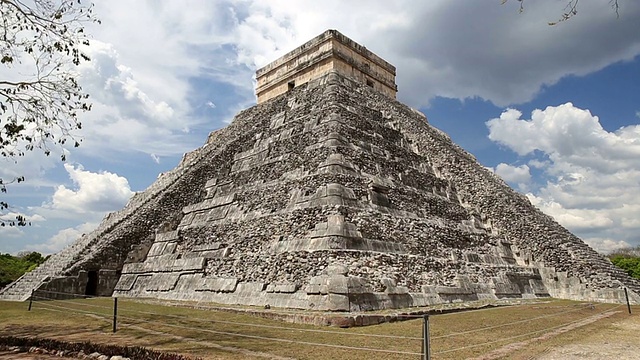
(554, 110)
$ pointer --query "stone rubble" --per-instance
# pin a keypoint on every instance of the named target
(62, 353)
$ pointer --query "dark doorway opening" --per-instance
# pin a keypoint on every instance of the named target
(92, 283)
(291, 85)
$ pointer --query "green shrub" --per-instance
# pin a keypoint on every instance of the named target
(630, 265)
(12, 267)
(628, 260)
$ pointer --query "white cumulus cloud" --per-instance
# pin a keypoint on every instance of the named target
(11, 232)
(62, 238)
(519, 175)
(506, 62)
(498, 55)
(128, 115)
(590, 175)
(92, 192)
(607, 246)
(16, 232)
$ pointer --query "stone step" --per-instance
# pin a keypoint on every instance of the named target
(55, 265)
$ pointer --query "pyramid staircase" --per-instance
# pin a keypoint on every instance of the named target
(20, 290)
(95, 250)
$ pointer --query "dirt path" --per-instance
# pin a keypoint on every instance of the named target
(514, 347)
(10, 355)
(617, 341)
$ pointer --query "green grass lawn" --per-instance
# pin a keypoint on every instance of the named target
(224, 335)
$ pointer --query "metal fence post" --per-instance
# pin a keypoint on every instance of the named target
(31, 299)
(115, 313)
(626, 295)
(426, 350)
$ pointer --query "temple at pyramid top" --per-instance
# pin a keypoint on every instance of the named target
(330, 51)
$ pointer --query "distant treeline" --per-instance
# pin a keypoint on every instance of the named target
(12, 267)
(628, 260)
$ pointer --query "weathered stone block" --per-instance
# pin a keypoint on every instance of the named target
(162, 248)
(338, 284)
(218, 284)
(210, 203)
(452, 290)
(188, 264)
(126, 282)
(210, 246)
(133, 268)
(211, 183)
(316, 285)
(337, 269)
(250, 287)
(167, 236)
(337, 302)
(278, 120)
(162, 282)
(288, 288)
(392, 289)
(336, 226)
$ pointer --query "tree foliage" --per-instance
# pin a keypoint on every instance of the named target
(571, 9)
(628, 260)
(12, 267)
(40, 98)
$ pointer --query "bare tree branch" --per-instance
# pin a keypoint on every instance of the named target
(40, 99)
(570, 10)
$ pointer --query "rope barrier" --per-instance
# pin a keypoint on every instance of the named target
(246, 324)
(460, 311)
(184, 318)
(55, 310)
(277, 327)
(68, 294)
(346, 347)
(518, 336)
(74, 303)
(507, 324)
(374, 335)
(351, 333)
(453, 311)
(45, 305)
(278, 339)
(360, 334)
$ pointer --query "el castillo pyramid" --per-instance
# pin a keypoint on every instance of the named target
(329, 195)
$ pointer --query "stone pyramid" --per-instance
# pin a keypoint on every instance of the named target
(330, 195)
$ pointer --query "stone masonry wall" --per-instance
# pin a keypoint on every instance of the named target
(340, 199)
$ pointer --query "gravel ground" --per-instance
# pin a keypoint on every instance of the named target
(10, 355)
(620, 341)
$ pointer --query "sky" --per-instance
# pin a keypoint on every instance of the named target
(553, 110)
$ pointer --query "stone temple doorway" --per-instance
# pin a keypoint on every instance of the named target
(92, 283)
